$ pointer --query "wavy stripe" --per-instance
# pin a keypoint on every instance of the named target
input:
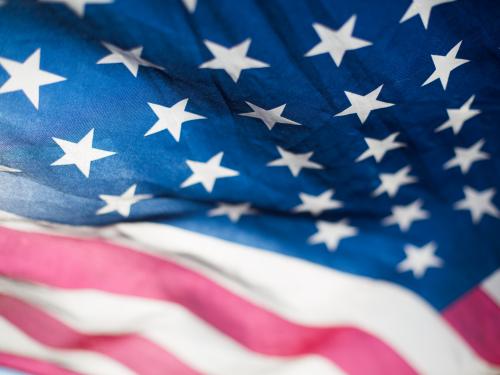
(98, 265)
(477, 317)
(168, 325)
(32, 366)
(289, 287)
(140, 355)
(14, 341)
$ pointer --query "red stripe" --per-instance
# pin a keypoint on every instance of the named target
(32, 366)
(477, 318)
(135, 352)
(75, 263)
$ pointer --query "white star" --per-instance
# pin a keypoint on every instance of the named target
(423, 8)
(363, 105)
(337, 42)
(418, 260)
(295, 162)
(121, 203)
(444, 65)
(404, 216)
(465, 157)
(316, 204)
(478, 203)
(171, 118)
(378, 148)
(27, 77)
(458, 116)
(269, 116)
(392, 182)
(190, 5)
(233, 211)
(81, 153)
(331, 233)
(130, 58)
(4, 168)
(3, 2)
(207, 173)
(78, 6)
(233, 60)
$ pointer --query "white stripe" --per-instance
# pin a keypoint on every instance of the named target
(302, 292)
(169, 325)
(313, 295)
(16, 342)
(492, 286)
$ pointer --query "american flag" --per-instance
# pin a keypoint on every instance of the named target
(289, 187)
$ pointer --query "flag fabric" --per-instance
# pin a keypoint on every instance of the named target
(250, 187)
